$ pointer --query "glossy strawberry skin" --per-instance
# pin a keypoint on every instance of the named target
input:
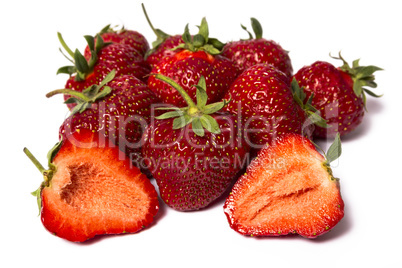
(120, 117)
(246, 53)
(262, 97)
(193, 171)
(333, 97)
(186, 68)
(122, 58)
(80, 204)
(164, 50)
(287, 189)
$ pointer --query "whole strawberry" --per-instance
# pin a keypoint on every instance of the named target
(289, 188)
(246, 53)
(195, 58)
(118, 110)
(270, 105)
(193, 166)
(89, 190)
(105, 57)
(131, 38)
(339, 93)
(163, 45)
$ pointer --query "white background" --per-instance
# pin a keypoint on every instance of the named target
(369, 169)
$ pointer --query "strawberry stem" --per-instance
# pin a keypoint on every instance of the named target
(35, 161)
(176, 86)
(63, 43)
(68, 91)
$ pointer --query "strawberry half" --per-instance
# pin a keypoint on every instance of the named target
(246, 53)
(89, 191)
(194, 153)
(289, 188)
(339, 93)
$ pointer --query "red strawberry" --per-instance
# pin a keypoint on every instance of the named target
(89, 191)
(338, 93)
(246, 53)
(288, 189)
(269, 105)
(131, 38)
(193, 166)
(105, 58)
(163, 45)
(118, 109)
(196, 58)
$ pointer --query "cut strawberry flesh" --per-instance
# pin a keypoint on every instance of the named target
(287, 189)
(93, 192)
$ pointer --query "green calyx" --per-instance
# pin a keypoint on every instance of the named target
(198, 114)
(161, 36)
(300, 97)
(201, 41)
(362, 76)
(81, 67)
(84, 99)
(257, 29)
(46, 173)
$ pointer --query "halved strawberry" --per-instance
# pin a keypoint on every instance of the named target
(289, 188)
(89, 191)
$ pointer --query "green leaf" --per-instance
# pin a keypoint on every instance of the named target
(335, 150)
(257, 28)
(80, 62)
(198, 41)
(90, 41)
(203, 29)
(186, 35)
(67, 70)
(37, 193)
(181, 121)
(250, 36)
(108, 78)
(210, 124)
(171, 114)
(214, 107)
(71, 100)
(216, 43)
(197, 127)
(52, 152)
(371, 93)
(99, 43)
(316, 119)
(201, 94)
(106, 91)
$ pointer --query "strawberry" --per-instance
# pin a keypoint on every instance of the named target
(131, 38)
(118, 109)
(289, 188)
(269, 105)
(193, 166)
(339, 93)
(88, 190)
(163, 45)
(105, 57)
(246, 53)
(196, 57)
